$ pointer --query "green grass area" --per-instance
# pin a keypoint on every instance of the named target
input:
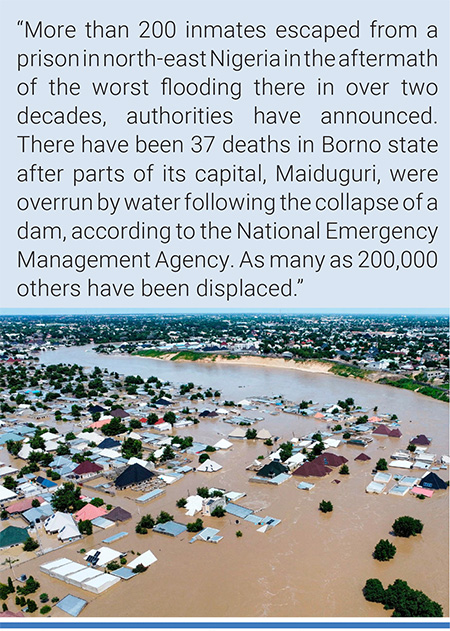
(152, 352)
(232, 356)
(349, 371)
(191, 356)
(411, 384)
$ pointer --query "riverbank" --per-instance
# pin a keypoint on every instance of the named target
(313, 366)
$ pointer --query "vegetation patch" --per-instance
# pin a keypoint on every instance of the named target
(411, 384)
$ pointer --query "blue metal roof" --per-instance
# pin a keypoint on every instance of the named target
(124, 572)
(71, 605)
(115, 537)
(238, 511)
(48, 484)
(171, 528)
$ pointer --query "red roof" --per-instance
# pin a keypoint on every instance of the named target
(22, 505)
(159, 421)
(87, 467)
(421, 439)
(382, 430)
(100, 423)
(395, 433)
(313, 468)
(363, 457)
(12, 614)
(90, 512)
(143, 420)
(331, 460)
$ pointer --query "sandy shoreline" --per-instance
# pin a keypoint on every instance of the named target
(250, 360)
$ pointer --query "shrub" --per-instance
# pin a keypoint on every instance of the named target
(219, 511)
(325, 507)
(45, 609)
(112, 565)
(407, 526)
(30, 545)
(384, 550)
(238, 533)
(139, 569)
(344, 470)
(43, 598)
(97, 501)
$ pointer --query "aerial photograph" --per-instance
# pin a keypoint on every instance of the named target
(224, 465)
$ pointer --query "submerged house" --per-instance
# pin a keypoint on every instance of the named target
(312, 469)
(134, 474)
(432, 481)
(272, 469)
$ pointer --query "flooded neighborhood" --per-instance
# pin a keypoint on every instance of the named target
(228, 483)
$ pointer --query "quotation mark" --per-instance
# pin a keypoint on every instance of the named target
(20, 23)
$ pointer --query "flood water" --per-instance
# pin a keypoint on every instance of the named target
(309, 565)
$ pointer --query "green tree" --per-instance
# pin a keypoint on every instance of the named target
(9, 483)
(45, 609)
(169, 417)
(131, 447)
(167, 454)
(13, 447)
(384, 550)
(114, 427)
(344, 470)
(164, 517)
(67, 498)
(203, 491)
(203, 458)
(381, 465)
(145, 524)
(286, 450)
(219, 511)
(410, 603)
(31, 605)
(181, 503)
(325, 507)
(85, 527)
(374, 590)
(195, 526)
(407, 526)
(152, 418)
(97, 501)
(30, 586)
(250, 434)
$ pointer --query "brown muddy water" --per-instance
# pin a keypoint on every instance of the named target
(309, 565)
